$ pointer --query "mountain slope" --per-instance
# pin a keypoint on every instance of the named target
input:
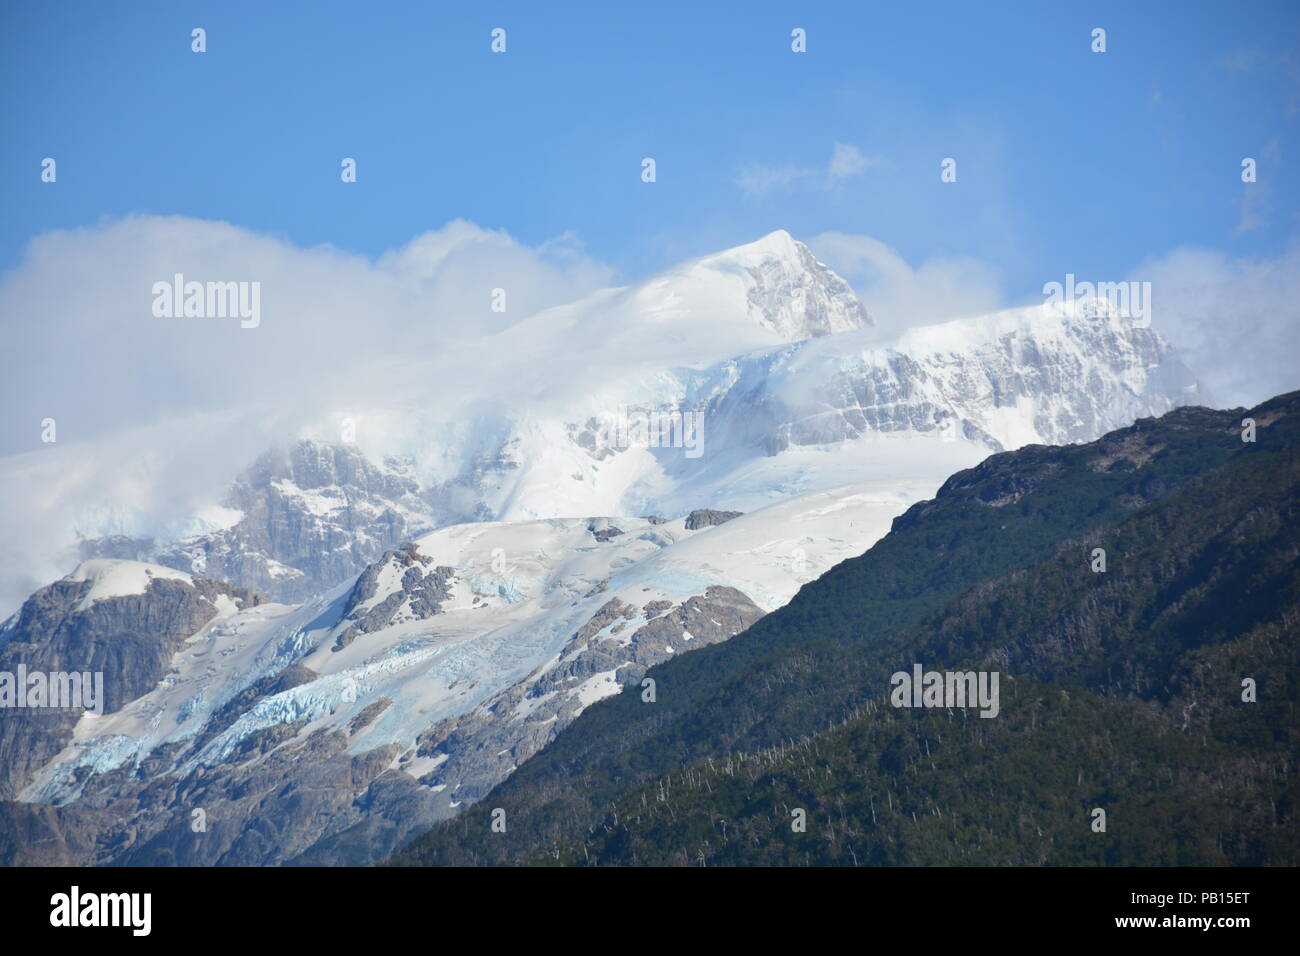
(123, 621)
(823, 412)
(331, 731)
(994, 573)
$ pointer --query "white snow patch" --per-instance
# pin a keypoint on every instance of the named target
(116, 578)
(596, 688)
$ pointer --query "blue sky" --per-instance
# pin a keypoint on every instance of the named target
(1067, 160)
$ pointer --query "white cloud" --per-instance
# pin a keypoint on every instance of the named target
(84, 347)
(846, 161)
(456, 266)
(758, 180)
(1235, 321)
(154, 416)
(899, 295)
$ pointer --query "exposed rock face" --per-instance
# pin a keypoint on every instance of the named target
(251, 811)
(393, 808)
(310, 517)
(128, 638)
(285, 796)
(401, 586)
(708, 518)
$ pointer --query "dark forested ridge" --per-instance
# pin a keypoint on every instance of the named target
(1120, 690)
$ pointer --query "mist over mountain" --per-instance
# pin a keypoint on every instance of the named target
(768, 348)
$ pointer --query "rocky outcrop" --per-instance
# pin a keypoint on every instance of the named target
(309, 517)
(602, 529)
(708, 518)
(401, 586)
(129, 639)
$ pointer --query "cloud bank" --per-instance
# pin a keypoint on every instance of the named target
(899, 295)
(1236, 321)
(85, 348)
(154, 416)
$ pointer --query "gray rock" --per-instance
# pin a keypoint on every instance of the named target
(129, 639)
(421, 593)
(313, 515)
(708, 518)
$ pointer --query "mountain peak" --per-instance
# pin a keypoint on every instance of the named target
(777, 244)
(787, 290)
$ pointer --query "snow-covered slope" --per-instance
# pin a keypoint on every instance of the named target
(482, 642)
(767, 293)
(112, 579)
(803, 415)
(1011, 378)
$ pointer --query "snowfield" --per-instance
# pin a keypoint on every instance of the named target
(521, 591)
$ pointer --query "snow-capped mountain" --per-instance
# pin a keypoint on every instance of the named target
(512, 559)
(760, 295)
(812, 413)
(1012, 378)
(306, 517)
(728, 382)
(778, 283)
